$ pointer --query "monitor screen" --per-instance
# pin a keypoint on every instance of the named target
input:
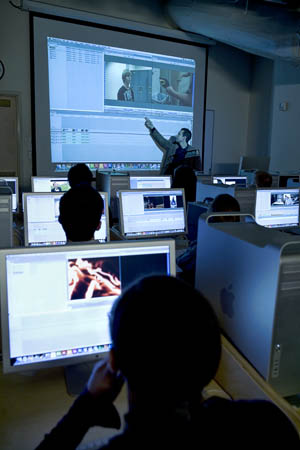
(12, 182)
(55, 301)
(47, 184)
(239, 181)
(150, 213)
(41, 225)
(150, 182)
(277, 207)
(94, 87)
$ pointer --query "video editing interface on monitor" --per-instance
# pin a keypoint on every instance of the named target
(58, 302)
(277, 207)
(239, 181)
(12, 183)
(99, 97)
(45, 184)
(149, 213)
(41, 217)
(150, 182)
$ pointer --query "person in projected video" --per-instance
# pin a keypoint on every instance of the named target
(55, 187)
(184, 91)
(176, 150)
(125, 93)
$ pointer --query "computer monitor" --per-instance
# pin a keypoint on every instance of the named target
(150, 182)
(230, 180)
(41, 226)
(12, 183)
(152, 213)
(55, 301)
(277, 207)
(47, 184)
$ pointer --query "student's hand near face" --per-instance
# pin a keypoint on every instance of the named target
(164, 82)
(104, 381)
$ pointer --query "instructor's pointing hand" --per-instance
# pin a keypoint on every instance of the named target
(148, 124)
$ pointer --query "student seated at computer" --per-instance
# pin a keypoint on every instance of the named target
(80, 211)
(80, 174)
(184, 177)
(187, 261)
(166, 345)
(263, 179)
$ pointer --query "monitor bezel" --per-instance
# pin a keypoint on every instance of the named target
(157, 235)
(67, 361)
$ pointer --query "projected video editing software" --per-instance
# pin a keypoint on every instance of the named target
(89, 109)
(277, 207)
(152, 213)
(41, 217)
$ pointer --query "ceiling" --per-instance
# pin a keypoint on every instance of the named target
(269, 28)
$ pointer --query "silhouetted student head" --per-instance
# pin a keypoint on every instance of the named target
(225, 203)
(80, 211)
(263, 179)
(80, 174)
(165, 339)
(184, 177)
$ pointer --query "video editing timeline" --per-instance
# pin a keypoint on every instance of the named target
(12, 183)
(239, 181)
(41, 224)
(150, 182)
(100, 116)
(147, 213)
(277, 207)
(59, 299)
(46, 184)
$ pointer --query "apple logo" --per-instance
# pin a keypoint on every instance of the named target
(226, 299)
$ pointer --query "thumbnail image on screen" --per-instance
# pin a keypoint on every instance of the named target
(94, 278)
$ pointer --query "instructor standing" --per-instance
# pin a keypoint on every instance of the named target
(176, 151)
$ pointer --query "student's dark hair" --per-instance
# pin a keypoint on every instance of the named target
(263, 179)
(80, 174)
(225, 202)
(184, 177)
(186, 132)
(80, 211)
(165, 336)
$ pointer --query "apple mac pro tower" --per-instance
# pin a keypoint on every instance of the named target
(250, 275)
(6, 219)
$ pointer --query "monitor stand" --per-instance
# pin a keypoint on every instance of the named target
(76, 377)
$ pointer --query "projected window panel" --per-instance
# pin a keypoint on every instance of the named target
(149, 213)
(69, 319)
(277, 207)
(93, 107)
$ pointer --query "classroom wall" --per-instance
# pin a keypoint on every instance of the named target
(228, 89)
(285, 132)
(260, 107)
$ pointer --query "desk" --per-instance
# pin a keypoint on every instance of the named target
(32, 403)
